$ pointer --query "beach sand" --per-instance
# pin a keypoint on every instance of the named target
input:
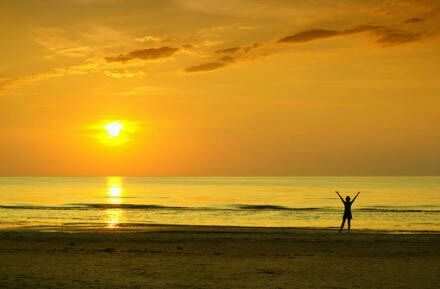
(218, 257)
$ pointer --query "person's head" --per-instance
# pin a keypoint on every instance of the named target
(347, 198)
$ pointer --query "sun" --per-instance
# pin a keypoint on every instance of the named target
(114, 128)
(114, 132)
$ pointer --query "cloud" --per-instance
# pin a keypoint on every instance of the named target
(309, 35)
(427, 16)
(149, 38)
(59, 42)
(387, 36)
(225, 57)
(83, 42)
(413, 20)
(188, 46)
(144, 54)
(206, 66)
(90, 66)
(384, 35)
(237, 50)
(121, 74)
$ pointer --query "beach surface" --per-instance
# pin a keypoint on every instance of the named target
(217, 257)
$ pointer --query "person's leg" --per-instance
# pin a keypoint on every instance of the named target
(349, 223)
(342, 225)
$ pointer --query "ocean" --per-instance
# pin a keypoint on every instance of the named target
(399, 204)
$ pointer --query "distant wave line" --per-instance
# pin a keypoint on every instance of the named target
(234, 207)
(275, 208)
(85, 206)
(397, 210)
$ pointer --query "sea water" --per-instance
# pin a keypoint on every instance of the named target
(385, 203)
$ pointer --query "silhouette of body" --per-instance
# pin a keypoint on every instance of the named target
(347, 210)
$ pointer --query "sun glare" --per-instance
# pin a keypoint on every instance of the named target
(114, 132)
(114, 128)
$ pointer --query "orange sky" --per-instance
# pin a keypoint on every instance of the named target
(220, 88)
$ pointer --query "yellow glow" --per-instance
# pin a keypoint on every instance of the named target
(114, 128)
(114, 190)
(114, 193)
(113, 217)
(114, 132)
(225, 101)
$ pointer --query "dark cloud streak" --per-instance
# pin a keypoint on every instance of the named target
(309, 35)
(384, 35)
(144, 54)
(388, 36)
(422, 18)
(413, 20)
(206, 66)
(228, 56)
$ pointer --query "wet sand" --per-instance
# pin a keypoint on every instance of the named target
(218, 257)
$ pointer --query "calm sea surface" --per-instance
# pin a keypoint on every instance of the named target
(390, 203)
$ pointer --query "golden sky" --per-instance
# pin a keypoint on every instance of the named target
(219, 88)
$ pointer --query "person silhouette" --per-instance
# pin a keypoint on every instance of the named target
(347, 210)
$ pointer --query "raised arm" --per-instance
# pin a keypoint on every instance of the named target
(354, 199)
(342, 200)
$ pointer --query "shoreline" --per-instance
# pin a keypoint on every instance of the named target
(142, 227)
(208, 257)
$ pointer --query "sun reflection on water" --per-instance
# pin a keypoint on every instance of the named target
(115, 192)
(113, 218)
